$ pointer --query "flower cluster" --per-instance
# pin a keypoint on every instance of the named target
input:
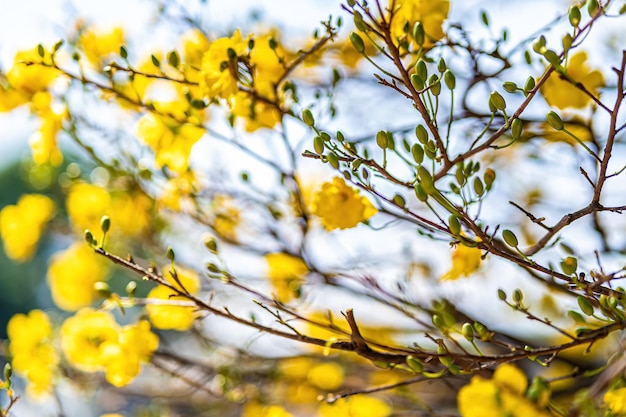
(341, 207)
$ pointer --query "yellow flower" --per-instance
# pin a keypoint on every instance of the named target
(22, 225)
(100, 45)
(172, 317)
(11, 98)
(465, 261)
(170, 140)
(356, 406)
(195, 44)
(341, 207)
(43, 143)
(504, 394)
(227, 217)
(257, 114)
(286, 273)
(615, 400)
(86, 204)
(258, 410)
(84, 335)
(72, 274)
(31, 79)
(177, 192)
(432, 14)
(122, 358)
(219, 72)
(326, 376)
(34, 357)
(562, 94)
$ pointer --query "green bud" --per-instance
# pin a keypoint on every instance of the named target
(89, 238)
(516, 129)
(510, 238)
(414, 363)
(567, 42)
(435, 85)
(308, 118)
(58, 45)
(479, 188)
(318, 144)
(420, 193)
(40, 51)
(454, 225)
(484, 17)
(417, 82)
(155, 61)
(381, 139)
(425, 179)
(357, 42)
(418, 33)
(552, 57)
(173, 59)
(422, 134)
(555, 120)
(441, 65)
(212, 268)
(211, 244)
(123, 52)
(497, 101)
(569, 265)
(574, 15)
(518, 296)
(459, 175)
(105, 224)
(438, 321)
(430, 149)
(501, 295)
(358, 22)
(528, 58)
(103, 289)
(577, 317)
(131, 289)
(339, 136)
(539, 390)
(8, 372)
(170, 254)
(333, 160)
(272, 43)
(481, 330)
(421, 69)
(539, 45)
(449, 79)
(399, 201)
(468, 332)
(529, 85)
(585, 306)
(509, 86)
(592, 7)
(418, 153)
(489, 176)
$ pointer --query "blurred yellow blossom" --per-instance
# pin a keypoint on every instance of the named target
(227, 217)
(72, 274)
(431, 13)
(219, 70)
(83, 336)
(258, 410)
(43, 143)
(93, 341)
(169, 138)
(356, 406)
(326, 376)
(560, 93)
(122, 358)
(615, 401)
(195, 44)
(34, 356)
(28, 76)
(465, 261)
(504, 394)
(286, 273)
(172, 317)
(340, 207)
(22, 225)
(177, 192)
(257, 114)
(86, 204)
(99, 45)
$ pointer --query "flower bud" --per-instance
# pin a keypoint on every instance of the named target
(516, 129)
(105, 224)
(418, 153)
(449, 79)
(529, 85)
(89, 238)
(418, 33)
(333, 160)
(417, 82)
(585, 306)
(468, 332)
(123, 52)
(479, 188)
(421, 70)
(425, 179)
(435, 85)
(497, 101)
(131, 289)
(441, 65)
(555, 120)
(307, 117)
(552, 57)
(170, 254)
(420, 193)
(357, 42)
(509, 86)
(569, 265)
(454, 225)
(318, 144)
(173, 59)
(574, 15)
(510, 238)
(210, 244)
(399, 201)
(489, 176)
(421, 134)
(381, 139)
(414, 363)
(438, 321)
(8, 372)
(103, 289)
(592, 7)
(501, 294)
(517, 296)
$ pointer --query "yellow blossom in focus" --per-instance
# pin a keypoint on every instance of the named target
(34, 356)
(562, 94)
(100, 45)
(615, 401)
(72, 274)
(219, 72)
(465, 261)
(43, 143)
(502, 395)
(22, 225)
(170, 139)
(171, 317)
(84, 335)
(286, 273)
(356, 406)
(341, 207)
(432, 14)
